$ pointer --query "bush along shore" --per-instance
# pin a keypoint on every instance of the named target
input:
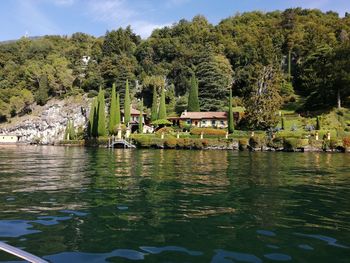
(210, 139)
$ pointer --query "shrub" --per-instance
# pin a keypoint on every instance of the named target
(143, 141)
(208, 131)
(256, 141)
(166, 130)
(290, 144)
(243, 143)
(276, 142)
(170, 143)
(346, 142)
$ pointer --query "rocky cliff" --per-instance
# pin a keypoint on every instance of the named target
(46, 124)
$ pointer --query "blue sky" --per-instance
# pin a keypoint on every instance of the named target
(64, 17)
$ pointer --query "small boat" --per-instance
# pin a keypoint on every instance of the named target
(21, 253)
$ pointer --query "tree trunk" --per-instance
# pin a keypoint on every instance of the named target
(338, 99)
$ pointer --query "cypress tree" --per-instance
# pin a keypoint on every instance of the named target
(71, 130)
(154, 111)
(318, 123)
(112, 111)
(117, 114)
(127, 104)
(289, 65)
(101, 130)
(193, 102)
(42, 95)
(162, 107)
(282, 123)
(94, 126)
(91, 118)
(141, 118)
(231, 126)
(66, 131)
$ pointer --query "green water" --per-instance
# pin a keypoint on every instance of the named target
(98, 205)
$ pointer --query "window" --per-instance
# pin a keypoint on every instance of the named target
(188, 121)
(222, 122)
(213, 122)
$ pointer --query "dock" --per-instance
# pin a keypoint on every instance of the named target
(120, 143)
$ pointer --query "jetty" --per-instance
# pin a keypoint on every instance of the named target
(120, 143)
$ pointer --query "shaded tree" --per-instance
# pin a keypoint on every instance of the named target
(193, 102)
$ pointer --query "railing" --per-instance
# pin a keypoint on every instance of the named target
(20, 253)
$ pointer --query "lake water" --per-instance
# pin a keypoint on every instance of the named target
(100, 205)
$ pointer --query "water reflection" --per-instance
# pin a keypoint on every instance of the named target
(81, 205)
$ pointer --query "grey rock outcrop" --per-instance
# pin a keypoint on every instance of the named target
(46, 124)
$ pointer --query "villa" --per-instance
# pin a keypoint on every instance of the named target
(204, 119)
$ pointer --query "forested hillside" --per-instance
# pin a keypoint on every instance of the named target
(260, 56)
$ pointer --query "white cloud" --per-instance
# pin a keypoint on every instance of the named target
(118, 13)
(63, 2)
(144, 28)
(34, 20)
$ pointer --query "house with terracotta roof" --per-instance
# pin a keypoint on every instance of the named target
(204, 119)
(135, 115)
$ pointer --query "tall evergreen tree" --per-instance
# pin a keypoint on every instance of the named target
(101, 130)
(72, 135)
(91, 118)
(231, 126)
(113, 111)
(141, 118)
(42, 95)
(66, 132)
(117, 114)
(193, 102)
(94, 127)
(162, 107)
(127, 104)
(154, 111)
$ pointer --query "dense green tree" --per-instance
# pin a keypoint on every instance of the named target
(127, 104)
(231, 125)
(42, 94)
(113, 111)
(214, 75)
(101, 130)
(162, 107)
(154, 110)
(263, 100)
(193, 102)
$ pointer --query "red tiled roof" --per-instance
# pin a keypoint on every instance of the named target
(204, 115)
(134, 112)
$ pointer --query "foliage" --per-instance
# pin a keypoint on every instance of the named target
(117, 114)
(43, 92)
(154, 110)
(208, 131)
(263, 100)
(113, 111)
(318, 123)
(141, 118)
(127, 104)
(309, 51)
(162, 107)
(231, 126)
(193, 102)
(165, 130)
(346, 142)
(214, 73)
(101, 115)
(161, 122)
